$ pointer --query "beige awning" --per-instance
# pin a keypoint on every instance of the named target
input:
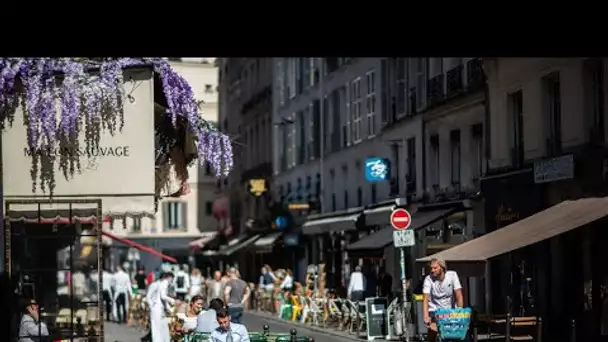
(544, 225)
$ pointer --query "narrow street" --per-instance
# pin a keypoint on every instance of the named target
(254, 322)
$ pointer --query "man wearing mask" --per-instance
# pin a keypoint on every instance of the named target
(181, 283)
(214, 287)
(122, 291)
(236, 295)
(227, 331)
(441, 290)
(160, 303)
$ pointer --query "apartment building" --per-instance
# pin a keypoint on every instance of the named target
(181, 220)
(245, 105)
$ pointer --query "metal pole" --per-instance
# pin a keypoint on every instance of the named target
(404, 289)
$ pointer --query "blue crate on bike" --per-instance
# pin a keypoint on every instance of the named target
(453, 323)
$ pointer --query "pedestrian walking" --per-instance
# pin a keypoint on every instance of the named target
(181, 283)
(107, 279)
(122, 291)
(196, 282)
(215, 287)
(236, 294)
(356, 285)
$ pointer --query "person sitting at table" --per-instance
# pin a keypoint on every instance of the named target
(228, 331)
(31, 328)
(190, 317)
(206, 321)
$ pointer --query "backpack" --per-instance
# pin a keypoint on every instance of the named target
(180, 281)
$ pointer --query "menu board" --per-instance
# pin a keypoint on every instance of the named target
(376, 315)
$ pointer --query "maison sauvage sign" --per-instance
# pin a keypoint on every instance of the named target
(93, 152)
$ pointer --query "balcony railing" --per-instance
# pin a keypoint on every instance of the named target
(435, 93)
(476, 78)
(454, 81)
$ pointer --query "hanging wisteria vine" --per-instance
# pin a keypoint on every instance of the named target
(91, 94)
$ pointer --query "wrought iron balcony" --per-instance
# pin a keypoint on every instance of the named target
(435, 93)
(476, 78)
(454, 81)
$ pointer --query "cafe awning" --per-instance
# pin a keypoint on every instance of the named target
(332, 222)
(202, 241)
(266, 243)
(544, 225)
(241, 245)
(376, 242)
(380, 214)
(139, 246)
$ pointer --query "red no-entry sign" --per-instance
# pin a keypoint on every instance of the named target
(401, 219)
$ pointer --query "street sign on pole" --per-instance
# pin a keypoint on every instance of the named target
(404, 238)
(401, 219)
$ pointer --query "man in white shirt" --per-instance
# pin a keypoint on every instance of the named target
(122, 289)
(441, 290)
(356, 285)
(181, 283)
(107, 280)
(228, 331)
(215, 287)
(159, 302)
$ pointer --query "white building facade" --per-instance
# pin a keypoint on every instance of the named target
(180, 220)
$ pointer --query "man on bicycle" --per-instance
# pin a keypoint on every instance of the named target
(441, 289)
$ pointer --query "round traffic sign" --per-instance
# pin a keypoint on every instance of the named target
(401, 219)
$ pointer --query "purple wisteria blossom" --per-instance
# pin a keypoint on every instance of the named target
(53, 110)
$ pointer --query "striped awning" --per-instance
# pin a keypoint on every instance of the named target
(49, 213)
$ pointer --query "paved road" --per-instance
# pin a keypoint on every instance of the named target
(253, 321)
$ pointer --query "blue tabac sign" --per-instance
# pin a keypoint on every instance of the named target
(377, 169)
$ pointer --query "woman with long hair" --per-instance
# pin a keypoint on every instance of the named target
(189, 317)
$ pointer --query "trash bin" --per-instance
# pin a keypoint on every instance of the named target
(421, 327)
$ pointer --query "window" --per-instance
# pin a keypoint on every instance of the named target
(208, 88)
(301, 141)
(401, 97)
(370, 102)
(411, 165)
(477, 150)
(552, 89)
(208, 208)
(174, 214)
(374, 193)
(345, 199)
(333, 202)
(291, 142)
(355, 107)
(280, 81)
(346, 119)
(136, 224)
(516, 127)
(359, 197)
(420, 82)
(455, 156)
(595, 110)
(434, 160)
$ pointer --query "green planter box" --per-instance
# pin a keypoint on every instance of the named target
(253, 336)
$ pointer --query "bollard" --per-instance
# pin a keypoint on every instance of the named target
(311, 339)
(294, 335)
(266, 329)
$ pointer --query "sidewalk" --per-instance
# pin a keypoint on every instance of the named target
(121, 333)
(328, 331)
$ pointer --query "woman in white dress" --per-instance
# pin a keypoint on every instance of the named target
(194, 308)
(196, 281)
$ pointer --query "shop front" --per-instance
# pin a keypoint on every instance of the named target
(327, 236)
(56, 201)
(548, 265)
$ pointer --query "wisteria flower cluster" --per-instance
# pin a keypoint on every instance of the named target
(91, 94)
